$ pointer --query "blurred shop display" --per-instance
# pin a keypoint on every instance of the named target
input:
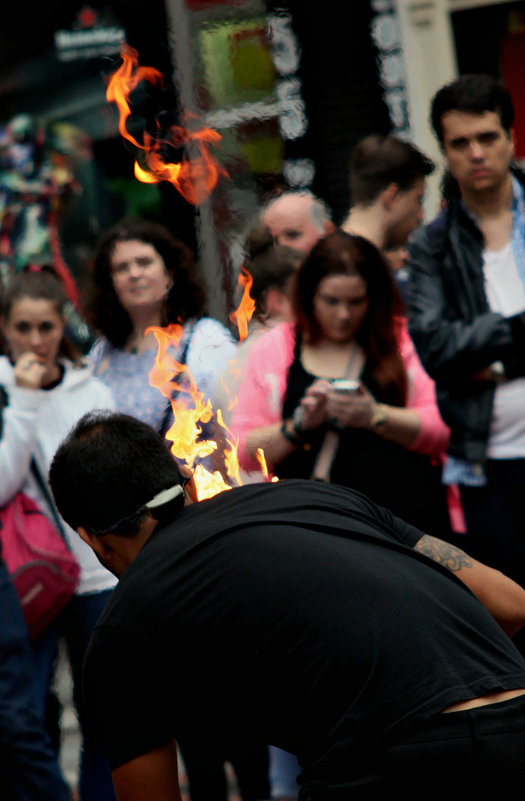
(37, 185)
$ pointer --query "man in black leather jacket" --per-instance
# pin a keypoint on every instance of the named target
(466, 314)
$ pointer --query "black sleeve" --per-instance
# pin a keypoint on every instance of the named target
(125, 695)
(353, 501)
(401, 530)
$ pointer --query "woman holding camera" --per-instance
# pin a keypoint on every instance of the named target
(340, 395)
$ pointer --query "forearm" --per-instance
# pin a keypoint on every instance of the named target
(152, 776)
(500, 595)
(272, 441)
(17, 443)
(399, 425)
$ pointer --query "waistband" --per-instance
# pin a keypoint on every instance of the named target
(490, 718)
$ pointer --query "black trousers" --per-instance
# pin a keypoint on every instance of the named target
(495, 520)
(468, 754)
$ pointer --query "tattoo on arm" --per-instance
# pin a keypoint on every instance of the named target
(443, 553)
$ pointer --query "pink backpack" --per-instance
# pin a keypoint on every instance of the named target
(42, 568)
(37, 556)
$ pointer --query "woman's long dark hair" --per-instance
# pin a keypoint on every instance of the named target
(340, 253)
(40, 283)
(185, 300)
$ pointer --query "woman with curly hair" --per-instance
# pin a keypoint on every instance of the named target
(145, 277)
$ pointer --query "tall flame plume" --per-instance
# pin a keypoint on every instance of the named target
(194, 178)
(190, 415)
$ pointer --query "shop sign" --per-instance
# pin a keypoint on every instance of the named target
(90, 36)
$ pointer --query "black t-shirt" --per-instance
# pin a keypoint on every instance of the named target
(294, 612)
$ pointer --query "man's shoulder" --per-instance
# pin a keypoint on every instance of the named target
(433, 235)
(438, 233)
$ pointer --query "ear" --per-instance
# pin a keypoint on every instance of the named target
(277, 304)
(389, 195)
(512, 139)
(94, 542)
(190, 488)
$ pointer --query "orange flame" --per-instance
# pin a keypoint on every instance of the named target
(243, 314)
(190, 413)
(259, 455)
(194, 177)
(235, 372)
(189, 410)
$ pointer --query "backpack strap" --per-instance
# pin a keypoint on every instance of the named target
(50, 502)
(4, 401)
(181, 360)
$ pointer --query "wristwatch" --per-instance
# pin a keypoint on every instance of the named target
(497, 372)
(378, 416)
(290, 433)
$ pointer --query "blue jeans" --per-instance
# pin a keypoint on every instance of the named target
(284, 769)
(75, 623)
(29, 768)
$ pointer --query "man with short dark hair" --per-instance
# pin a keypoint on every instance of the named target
(467, 314)
(298, 611)
(297, 219)
(387, 185)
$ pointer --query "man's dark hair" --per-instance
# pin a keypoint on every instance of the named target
(378, 161)
(474, 94)
(109, 466)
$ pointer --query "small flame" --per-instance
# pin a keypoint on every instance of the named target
(235, 372)
(194, 177)
(231, 460)
(259, 455)
(243, 314)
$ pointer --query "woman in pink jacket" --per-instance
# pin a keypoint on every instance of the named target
(340, 395)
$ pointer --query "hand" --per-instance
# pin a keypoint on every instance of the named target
(29, 371)
(313, 405)
(351, 410)
(484, 375)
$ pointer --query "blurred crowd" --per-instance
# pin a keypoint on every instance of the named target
(383, 355)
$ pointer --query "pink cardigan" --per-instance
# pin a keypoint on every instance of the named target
(262, 390)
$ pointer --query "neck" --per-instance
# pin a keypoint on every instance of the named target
(138, 340)
(490, 203)
(368, 223)
(323, 343)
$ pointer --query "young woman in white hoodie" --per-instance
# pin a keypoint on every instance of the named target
(47, 388)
